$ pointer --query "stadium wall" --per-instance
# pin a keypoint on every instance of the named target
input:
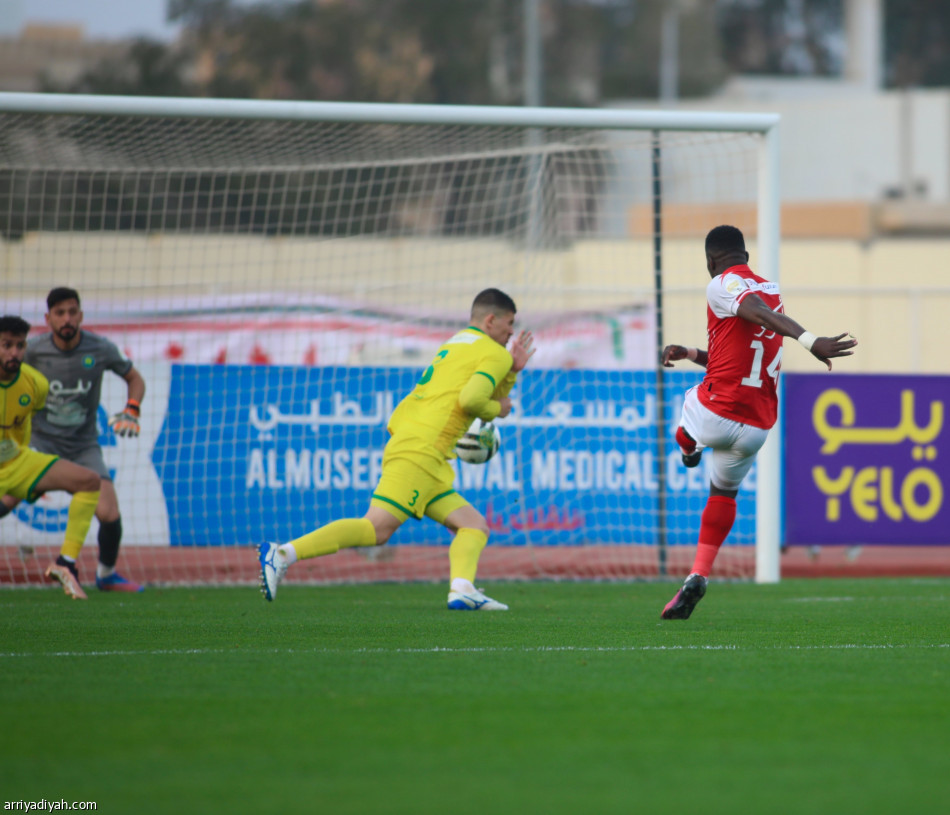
(891, 293)
(233, 454)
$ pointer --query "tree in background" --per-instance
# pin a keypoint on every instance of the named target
(149, 68)
(460, 52)
(630, 49)
(917, 43)
(353, 50)
(471, 51)
(782, 37)
(806, 38)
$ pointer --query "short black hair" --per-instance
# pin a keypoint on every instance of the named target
(724, 241)
(11, 324)
(493, 300)
(61, 293)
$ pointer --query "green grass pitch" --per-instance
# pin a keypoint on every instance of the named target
(813, 696)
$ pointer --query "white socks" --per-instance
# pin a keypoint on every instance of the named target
(288, 553)
(462, 586)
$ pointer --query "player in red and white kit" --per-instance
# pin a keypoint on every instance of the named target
(733, 408)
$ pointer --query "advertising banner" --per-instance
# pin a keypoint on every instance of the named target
(129, 461)
(249, 453)
(236, 454)
(862, 460)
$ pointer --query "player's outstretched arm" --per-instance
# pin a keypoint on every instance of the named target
(828, 348)
(674, 353)
(522, 349)
(754, 309)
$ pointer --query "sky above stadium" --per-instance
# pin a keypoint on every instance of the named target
(100, 19)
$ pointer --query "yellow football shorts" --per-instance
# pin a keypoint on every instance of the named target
(414, 484)
(19, 476)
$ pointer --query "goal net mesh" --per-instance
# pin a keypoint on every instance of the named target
(282, 284)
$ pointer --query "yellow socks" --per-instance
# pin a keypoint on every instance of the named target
(82, 508)
(464, 553)
(335, 536)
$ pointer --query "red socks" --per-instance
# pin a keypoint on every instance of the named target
(717, 520)
(685, 441)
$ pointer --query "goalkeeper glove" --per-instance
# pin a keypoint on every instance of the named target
(126, 423)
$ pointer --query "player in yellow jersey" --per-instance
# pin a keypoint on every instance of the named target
(470, 377)
(27, 474)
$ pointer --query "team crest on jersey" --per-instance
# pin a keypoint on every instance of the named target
(88, 362)
(24, 399)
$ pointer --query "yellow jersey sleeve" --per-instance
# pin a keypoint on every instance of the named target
(431, 414)
(41, 383)
(21, 398)
(478, 399)
(506, 384)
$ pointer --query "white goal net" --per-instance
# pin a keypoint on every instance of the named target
(281, 273)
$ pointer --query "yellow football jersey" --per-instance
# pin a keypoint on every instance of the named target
(431, 413)
(19, 400)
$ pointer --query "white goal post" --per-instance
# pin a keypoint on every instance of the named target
(281, 273)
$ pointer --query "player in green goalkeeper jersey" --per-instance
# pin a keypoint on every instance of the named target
(470, 377)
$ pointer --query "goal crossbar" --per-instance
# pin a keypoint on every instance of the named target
(382, 113)
(764, 125)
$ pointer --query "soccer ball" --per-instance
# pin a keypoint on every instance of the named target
(479, 443)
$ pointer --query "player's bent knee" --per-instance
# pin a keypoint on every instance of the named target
(384, 523)
(464, 517)
(723, 492)
(481, 525)
(88, 481)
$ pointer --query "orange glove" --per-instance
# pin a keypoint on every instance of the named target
(126, 423)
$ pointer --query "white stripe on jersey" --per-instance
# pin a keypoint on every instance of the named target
(726, 291)
(466, 338)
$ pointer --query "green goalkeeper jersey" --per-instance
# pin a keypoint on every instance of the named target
(75, 384)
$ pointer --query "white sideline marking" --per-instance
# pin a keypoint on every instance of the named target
(821, 599)
(484, 650)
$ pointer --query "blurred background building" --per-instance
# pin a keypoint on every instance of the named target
(863, 88)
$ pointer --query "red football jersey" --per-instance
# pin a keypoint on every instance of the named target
(744, 358)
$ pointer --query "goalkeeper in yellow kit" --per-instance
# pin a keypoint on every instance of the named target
(470, 377)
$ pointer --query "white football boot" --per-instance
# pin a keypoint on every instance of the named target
(273, 568)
